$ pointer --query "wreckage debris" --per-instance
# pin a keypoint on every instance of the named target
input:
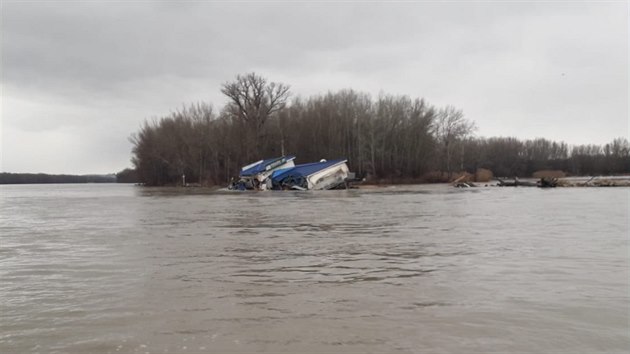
(548, 182)
(255, 175)
(282, 174)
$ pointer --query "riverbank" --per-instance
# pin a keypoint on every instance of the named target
(587, 181)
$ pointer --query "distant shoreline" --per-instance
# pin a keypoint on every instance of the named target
(44, 178)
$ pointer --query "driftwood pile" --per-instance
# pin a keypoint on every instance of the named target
(544, 182)
(596, 182)
(547, 182)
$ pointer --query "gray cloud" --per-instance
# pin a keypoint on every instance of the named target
(79, 78)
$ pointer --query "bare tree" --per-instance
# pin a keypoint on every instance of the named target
(450, 127)
(254, 100)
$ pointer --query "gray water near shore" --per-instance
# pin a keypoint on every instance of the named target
(424, 269)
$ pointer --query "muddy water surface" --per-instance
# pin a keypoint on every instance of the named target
(118, 268)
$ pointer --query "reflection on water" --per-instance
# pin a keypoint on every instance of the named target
(117, 268)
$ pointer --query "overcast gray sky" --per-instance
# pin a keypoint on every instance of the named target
(78, 78)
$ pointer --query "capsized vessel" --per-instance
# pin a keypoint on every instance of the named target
(282, 174)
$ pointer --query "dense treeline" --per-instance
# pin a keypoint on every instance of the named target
(127, 175)
(513, 157)
(391, 138)
(36, 178)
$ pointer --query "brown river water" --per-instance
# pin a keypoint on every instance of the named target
(418, 269)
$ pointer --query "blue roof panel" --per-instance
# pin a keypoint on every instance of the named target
(262, 166)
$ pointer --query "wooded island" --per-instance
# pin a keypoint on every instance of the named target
(388, 139)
